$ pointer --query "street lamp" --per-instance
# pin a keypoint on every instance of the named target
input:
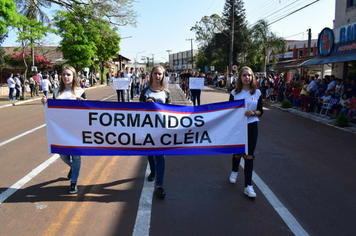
(136, 57)
(169, 66)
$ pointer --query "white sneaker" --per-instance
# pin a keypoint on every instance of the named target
(233, 177)
(249, 191)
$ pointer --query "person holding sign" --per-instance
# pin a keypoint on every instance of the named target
(246, 88)
(120, 90)
(69, 89)
(156, 91)
(194, 90)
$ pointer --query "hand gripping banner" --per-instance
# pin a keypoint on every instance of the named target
(96, 128)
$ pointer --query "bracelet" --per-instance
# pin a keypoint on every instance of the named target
(254, 113)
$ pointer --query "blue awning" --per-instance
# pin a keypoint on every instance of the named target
(332, 59)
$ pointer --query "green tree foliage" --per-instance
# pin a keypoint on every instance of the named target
(267, 42)
(213, 34)
(78, 40)
(8, 16)
(107, 45)
(241, 33)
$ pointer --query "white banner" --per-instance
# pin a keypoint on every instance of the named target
(120, 83)
(111, 128)
(196, 83)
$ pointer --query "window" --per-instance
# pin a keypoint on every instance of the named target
(351, 3)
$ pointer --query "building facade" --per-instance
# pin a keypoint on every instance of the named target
(337, 46)
(182, 60)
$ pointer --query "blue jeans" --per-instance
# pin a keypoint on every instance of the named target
(11, 93)
(18, 92)
(137, 89)
(157, 164)
(45, 93)
(128, 91)
(74, 163)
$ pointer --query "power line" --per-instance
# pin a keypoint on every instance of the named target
(293, 12)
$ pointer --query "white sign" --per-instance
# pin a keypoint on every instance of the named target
(120, 84)
(196, 83)
(212, 68)
(234, 67)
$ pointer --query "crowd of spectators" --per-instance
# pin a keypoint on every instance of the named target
(311, 94)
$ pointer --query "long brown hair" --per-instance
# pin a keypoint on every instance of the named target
(253, 85)
(75, 82)
(163, 81)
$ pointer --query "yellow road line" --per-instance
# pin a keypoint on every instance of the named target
(84, 206)
(62, 216)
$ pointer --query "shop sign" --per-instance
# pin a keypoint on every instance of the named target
(325, 42)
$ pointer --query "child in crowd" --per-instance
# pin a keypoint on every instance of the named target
(296, 99)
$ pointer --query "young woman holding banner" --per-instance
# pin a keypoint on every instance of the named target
(69, 89)
(246, 88)
(156, 91)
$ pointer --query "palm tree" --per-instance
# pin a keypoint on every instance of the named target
(32, 10)
(267, 42)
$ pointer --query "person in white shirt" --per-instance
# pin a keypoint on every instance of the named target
(17, 86)
(128, 76)
(46, 85)
(69, 89)
(246, 88)
(11, 83)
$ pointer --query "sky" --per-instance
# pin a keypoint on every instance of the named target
(165, 24)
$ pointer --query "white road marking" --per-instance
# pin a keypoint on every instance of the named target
(143, 217)
(8, 192)
(21, 135)
(282, 211)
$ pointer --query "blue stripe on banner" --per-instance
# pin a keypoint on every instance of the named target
(95, 151)
(143, 106)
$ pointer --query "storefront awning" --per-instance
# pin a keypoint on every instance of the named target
(332, 59)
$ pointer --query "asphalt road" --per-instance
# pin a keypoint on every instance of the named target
(307, 166)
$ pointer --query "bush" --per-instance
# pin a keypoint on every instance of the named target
(342, 120)
(286, 104)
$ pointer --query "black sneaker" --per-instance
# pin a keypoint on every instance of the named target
(160, 192)
(151, 176)
(69, 173)
(73, 188)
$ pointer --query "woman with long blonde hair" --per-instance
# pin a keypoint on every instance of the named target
(246, 88)
(69, 89)
(156, 91)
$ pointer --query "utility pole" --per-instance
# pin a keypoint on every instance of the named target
(309, 42)
(153, 60)
(191, 52)
(231, 43)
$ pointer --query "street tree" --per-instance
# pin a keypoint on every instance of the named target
(267, 42)
(29, 31)
(107, 45)
(78, 40)
(114, 12)
(234, 17)
(8, 17)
